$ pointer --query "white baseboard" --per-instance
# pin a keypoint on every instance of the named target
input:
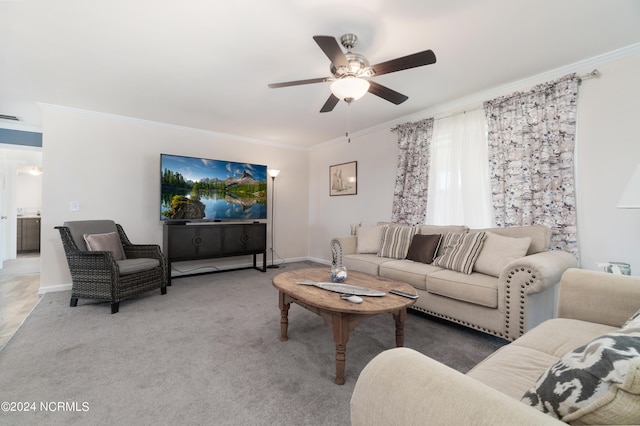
(66, 287)
(54, 288)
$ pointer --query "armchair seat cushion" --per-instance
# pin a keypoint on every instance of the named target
(132, 266)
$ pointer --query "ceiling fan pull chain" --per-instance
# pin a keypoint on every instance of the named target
(348, 122)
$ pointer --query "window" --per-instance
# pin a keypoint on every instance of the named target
(459, 190)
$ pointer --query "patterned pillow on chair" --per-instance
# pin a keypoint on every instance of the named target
(598, 383)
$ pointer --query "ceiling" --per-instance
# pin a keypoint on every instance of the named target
(206, 64)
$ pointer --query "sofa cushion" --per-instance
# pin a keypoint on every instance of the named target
(557, 336)
(368, 239)
(540, 235)
(598, 383)
(460, 251)
(441, 229)
(512, 369)
(497, 251)
(396, 240)
(367, 263)
(408, 271)
(423, 248)
(475, 288)
(109, 241)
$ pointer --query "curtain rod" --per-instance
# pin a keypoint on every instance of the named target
(592, 74)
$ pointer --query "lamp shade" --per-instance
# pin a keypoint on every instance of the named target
(274, 173)
(631, 196)
(349, 88)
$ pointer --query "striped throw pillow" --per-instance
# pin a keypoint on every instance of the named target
(460, 251)
(396, 240)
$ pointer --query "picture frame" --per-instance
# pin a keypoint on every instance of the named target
(343, 179)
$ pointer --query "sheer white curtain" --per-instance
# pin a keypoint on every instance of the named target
(459, 185)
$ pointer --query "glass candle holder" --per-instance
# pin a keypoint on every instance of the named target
(338, 274)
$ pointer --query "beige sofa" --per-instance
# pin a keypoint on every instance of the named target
(514, 291)
(402, 386)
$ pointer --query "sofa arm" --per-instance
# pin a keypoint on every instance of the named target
(598, 296)
(542, 270)
(403, 387)
(341, 246)
(528, 289)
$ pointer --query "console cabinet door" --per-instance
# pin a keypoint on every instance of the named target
(240, 239)
(193, 242)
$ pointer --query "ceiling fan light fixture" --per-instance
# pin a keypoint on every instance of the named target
(352, 88)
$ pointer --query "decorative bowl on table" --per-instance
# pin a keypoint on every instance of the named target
(338, 274)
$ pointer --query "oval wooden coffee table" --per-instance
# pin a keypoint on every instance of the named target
(341, 315)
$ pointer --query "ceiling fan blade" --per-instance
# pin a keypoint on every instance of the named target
(331, 48)
(386, 93)
(298, 82)
(330, 104)
(419, 59)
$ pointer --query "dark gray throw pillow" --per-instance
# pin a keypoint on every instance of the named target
(423, 248)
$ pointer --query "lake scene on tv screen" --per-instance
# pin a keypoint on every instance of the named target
(199, 188)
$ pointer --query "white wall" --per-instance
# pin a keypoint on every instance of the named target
(608, 150)
(330, 216)
(111, 166)
(28, 193)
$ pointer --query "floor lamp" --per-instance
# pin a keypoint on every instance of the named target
(273, 173)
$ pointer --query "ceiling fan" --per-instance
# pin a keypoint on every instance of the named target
(350, 72)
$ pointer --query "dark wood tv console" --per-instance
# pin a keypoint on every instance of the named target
(213, 240)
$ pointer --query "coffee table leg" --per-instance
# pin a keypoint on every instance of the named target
(399, 318)
(340, 325)
(284, 316)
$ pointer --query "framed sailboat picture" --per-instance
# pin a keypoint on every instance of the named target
(343, 179)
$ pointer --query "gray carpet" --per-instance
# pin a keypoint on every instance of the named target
(208, 352)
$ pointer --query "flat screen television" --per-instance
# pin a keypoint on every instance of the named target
(201, 189)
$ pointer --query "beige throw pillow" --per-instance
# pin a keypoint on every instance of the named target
(369, 238)
(105, 242)
(497, 251)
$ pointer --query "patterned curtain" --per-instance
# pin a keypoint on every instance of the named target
(531, 146)
(412, 174)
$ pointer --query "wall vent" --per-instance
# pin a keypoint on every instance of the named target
(9, 117)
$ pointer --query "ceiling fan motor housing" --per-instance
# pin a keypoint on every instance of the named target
(357, 66)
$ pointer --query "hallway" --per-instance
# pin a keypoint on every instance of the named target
(19, 284)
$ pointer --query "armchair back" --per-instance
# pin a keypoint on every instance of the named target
(78, 228)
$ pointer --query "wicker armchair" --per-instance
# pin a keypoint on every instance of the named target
(98, 275)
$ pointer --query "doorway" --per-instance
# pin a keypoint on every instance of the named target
(20, 197)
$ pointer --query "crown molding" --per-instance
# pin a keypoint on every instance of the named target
(150, 123)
